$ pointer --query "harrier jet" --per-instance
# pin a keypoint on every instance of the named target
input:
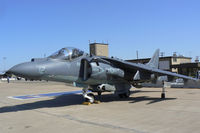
(92, 73)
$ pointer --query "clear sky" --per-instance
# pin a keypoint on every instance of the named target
(32, 28)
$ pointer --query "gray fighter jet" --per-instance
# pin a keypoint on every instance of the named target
(92, 73)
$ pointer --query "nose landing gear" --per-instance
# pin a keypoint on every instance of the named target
(89, 97)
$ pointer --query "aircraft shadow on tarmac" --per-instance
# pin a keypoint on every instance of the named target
(74, 99)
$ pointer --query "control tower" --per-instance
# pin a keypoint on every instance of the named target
(99, 49)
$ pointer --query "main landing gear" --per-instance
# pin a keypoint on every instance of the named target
(89, 98)
(125, 95)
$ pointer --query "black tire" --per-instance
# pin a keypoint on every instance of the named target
(121, 95)
(125, 95)
(163, 96)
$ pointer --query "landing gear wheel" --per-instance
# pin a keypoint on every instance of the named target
(121, 95)
(163, 90)
(125, 95)
(163, 96)
(91, 99)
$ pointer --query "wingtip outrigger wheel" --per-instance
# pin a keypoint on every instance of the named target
(163, 96)
(163, 91)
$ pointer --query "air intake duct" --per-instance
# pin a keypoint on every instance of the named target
(86, 69)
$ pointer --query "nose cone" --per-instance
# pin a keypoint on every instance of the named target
(26, 70)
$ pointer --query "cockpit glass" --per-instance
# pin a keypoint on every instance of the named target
(67, 53)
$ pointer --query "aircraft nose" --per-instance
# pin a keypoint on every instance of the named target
(26, 70)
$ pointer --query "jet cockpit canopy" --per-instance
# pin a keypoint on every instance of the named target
(67, 53)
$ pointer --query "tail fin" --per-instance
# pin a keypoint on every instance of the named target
(154, 62)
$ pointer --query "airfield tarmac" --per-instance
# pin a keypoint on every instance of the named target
(143, 112)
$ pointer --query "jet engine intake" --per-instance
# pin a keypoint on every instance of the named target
(86, 69)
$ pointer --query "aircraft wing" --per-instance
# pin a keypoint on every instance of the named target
(132, 67)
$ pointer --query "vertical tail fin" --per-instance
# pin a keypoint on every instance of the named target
(154, 62)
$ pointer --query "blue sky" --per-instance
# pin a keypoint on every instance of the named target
(32, 28)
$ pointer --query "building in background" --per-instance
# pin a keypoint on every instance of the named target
(166, 63)
(99, 49)
(178, 64)
(189, 69)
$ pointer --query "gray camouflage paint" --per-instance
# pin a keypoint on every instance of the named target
(111, 71)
